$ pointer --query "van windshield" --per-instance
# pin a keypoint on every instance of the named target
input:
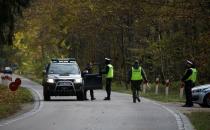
(63, 69)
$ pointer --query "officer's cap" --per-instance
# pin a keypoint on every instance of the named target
(189, 62)
(136, 62)
(107, 59)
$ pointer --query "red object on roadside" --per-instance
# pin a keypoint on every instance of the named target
(145, 82)
(13, 86)
(157, 81)
(2, 77)
(18, 81)
(182, 85)
(167, 82)
(8, 78)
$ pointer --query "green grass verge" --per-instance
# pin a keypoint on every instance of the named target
(33, 77)
(200, 120)
(10, 102)
(150, 93)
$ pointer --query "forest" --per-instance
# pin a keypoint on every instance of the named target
(161, 34)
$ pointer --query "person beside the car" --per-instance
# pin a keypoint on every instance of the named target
(189, 80)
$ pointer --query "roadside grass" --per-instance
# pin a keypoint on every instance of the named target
(200, 120)
(150, 93)
(33, 77)
(10, 102)
(120, 87)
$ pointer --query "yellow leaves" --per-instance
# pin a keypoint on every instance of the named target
(24, 63)
(18, 37)
(65, 30)
(18, 41)
(63, 43)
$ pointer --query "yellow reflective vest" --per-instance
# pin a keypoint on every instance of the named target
(136, 74)
(193, 76)
(110, 74)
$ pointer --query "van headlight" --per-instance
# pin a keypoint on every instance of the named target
(50, 80)
(79, 80)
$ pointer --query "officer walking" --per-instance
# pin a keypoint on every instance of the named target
(189, 80)
(136, 75)
(89, 70)
(109, 71)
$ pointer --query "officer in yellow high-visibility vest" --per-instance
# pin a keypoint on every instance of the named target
(136, 75)
(109, 72)
(189, 80)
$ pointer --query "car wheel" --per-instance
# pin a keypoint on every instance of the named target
(46, 94)
(80, 95)
(207, 100)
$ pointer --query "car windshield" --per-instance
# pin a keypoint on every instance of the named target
(64, 69)
(8, 68)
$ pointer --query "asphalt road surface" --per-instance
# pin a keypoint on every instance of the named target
(65, 113)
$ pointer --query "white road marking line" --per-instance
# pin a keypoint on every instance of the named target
(178, 116)
(179, 120)
(38, 106)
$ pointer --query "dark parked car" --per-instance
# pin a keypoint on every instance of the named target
(7, 70)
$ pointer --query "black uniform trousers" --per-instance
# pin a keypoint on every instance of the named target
(135, 87)
(91, 94)
(108, 86)
(188, 92)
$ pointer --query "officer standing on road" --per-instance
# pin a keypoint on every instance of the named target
(189, 80)
(136, 75)
(109, 71)
(89, 70)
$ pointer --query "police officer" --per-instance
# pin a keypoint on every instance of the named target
(189, 80)
(89, 70)
(136, 75)
(109, 71)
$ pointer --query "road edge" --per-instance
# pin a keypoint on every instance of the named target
(37, 105)
(182, 121)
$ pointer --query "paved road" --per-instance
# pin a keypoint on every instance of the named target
(118, 114)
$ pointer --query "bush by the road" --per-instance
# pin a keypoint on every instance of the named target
(10, 102)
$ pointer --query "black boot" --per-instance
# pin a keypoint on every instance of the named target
(138, 99)
(92, 98)
(134, 100)
(107, 98)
